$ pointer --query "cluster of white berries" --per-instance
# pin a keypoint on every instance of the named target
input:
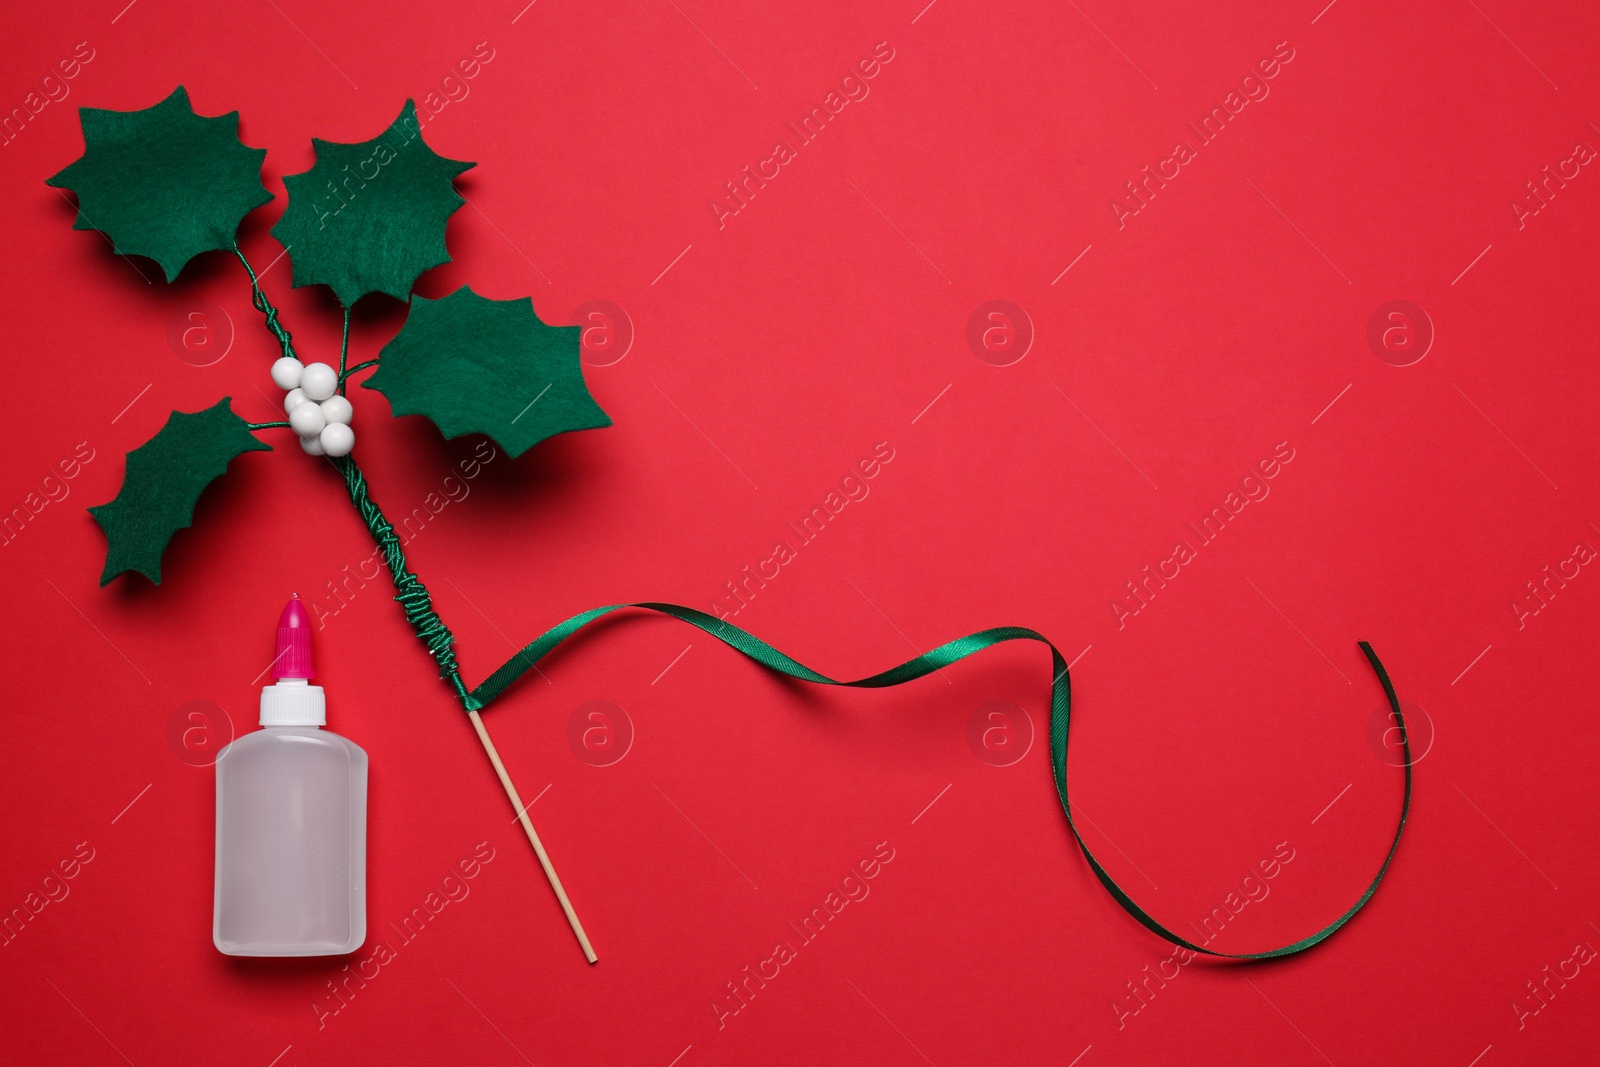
(316, 412)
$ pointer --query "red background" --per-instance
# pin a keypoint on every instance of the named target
(1229, 715)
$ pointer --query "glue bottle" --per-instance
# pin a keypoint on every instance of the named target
(291, 820)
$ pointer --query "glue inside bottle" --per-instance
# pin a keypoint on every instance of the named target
(291, 821)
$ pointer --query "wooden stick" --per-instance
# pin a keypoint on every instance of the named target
(533, 836)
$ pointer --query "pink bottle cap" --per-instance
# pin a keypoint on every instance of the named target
(293, 659)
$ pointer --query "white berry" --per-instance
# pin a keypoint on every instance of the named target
(312, 445)
(286, 372)
(296, 397)
(337, 439)
(319, 380)
(336, 409)
(307, 420)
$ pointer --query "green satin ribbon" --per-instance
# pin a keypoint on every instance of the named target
(438, 639)
(943, 656)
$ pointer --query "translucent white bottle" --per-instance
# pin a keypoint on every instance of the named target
(291, 821)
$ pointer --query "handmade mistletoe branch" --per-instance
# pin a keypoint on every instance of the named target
(368, 218)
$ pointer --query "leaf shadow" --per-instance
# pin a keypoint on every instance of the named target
(530, 487)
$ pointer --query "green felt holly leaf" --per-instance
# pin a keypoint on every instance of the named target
(370, 217)
(475, 365)
(163, 480)
(164, 182)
